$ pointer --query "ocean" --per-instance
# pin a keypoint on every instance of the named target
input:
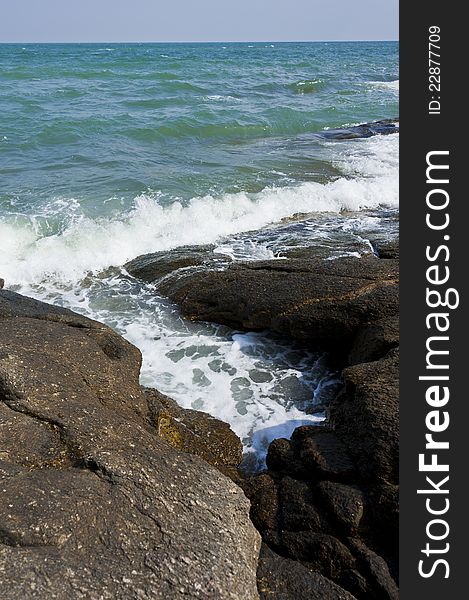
(110, 151)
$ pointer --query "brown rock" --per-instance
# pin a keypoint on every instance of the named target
(324, 553)
(388, 249)
(376, 569)
(298, 512)
(262, 492)
(344, 502)
(92, 501)
(322, 453)
(321, 301)
(194, 431)
(281, 458)
(375, 340)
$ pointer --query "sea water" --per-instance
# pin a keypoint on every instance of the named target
(109, 151)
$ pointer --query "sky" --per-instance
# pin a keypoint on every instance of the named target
(197, 20)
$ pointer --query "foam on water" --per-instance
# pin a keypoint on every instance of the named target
(262, 385)
(389, 85)
(33, 252)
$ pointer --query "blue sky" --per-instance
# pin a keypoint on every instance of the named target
(197, 20)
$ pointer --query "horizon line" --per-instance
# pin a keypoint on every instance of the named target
(200, 41)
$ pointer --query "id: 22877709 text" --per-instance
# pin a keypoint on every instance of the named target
(434, 70)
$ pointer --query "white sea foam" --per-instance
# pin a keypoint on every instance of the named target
(219, 98)
(249, 380)
(389, 85)
(31, 254)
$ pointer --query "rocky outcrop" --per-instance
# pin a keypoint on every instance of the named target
(151, 267)
(94, 501)
(327, 506)
(365, 130)
(322, 302)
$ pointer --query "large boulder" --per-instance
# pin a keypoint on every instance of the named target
(93, 502)
(319, 301)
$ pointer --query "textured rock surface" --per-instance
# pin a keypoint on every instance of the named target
(195, 432)
(327, 507)
(375, 340)
(151, 267)
(285, 579)
(93, 503)
(366, 417)
(320, 301)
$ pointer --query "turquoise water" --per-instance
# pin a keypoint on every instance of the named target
(111, 151)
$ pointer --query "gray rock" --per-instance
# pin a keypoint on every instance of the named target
(93, 503)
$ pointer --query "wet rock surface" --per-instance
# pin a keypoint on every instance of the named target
(94, 503)
(383, 127)
(321, 302)
(151, 267)
(327, 505)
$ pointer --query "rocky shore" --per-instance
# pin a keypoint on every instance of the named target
(110, 490)
(98, 497)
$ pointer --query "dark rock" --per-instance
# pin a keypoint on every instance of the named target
(383, 517)
(151, 267)
(354, 581)
(387, 249)
(262, 492)
(194, 431)
(366, 130)
(344, 502)
(321, 301)
(322, 453)
(366, 417)
(297, 507)
(2, 283)
(284, 579)
(92, 501)
(375, 340)
(376, 569)
(324, 553)
(281, 458)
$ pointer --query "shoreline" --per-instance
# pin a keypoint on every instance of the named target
(328, 495)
